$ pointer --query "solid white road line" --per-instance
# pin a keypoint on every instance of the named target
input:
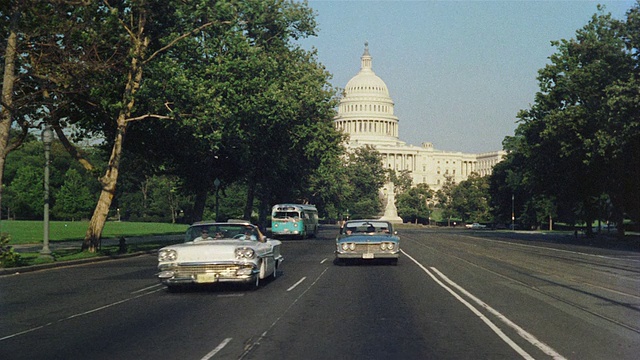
(491, 325)
(80, 314)
(218, 348)
(523, 333)
(296, 284)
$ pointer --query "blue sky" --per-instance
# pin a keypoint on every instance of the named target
(458, 71)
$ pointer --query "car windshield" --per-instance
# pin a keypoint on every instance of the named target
(366, 227)
(221, 231)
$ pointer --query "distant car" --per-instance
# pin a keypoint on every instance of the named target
(367, 240)
(475, 226)
(216, 252)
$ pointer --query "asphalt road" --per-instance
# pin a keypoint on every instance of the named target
(453, 295)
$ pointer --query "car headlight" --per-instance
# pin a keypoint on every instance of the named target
(387, 246)
(345, 246)
(167, 255)
(245, 253)
(352, 246)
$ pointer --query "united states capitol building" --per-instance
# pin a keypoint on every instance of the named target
(366, 114)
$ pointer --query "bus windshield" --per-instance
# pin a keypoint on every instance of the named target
(286, 214)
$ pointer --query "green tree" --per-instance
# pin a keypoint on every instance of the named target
(25, 194)
(470, 199)
(252, 107)
(415, 204)
(73, 201)
(579, 139)
(366, 176)
(444, 198)
(401, 180)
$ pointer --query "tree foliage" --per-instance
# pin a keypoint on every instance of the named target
(73, 201)
(580, 139)
(366, 176)
(415, 204)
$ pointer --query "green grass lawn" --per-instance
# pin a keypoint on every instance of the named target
(28, 232)
(31, 232)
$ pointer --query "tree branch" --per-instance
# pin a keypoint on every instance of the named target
(71, 149)
(185, 35)
(142, 117)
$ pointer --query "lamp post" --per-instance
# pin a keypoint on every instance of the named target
(47, 138)
(513, 214)
(216, 183)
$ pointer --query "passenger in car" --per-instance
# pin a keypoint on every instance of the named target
(204, 235)
(249, 234)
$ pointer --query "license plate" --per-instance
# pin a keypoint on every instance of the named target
(367, 256)
(206, 278)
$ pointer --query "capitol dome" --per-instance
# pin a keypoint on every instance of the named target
(366, 109)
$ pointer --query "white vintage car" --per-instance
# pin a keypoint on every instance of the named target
(215, 252)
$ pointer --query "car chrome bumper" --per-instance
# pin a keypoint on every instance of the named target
(355, 255)
(207, 273)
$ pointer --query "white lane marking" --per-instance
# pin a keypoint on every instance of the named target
(491, 325)
(79, 314)
(296, 284)
(523, 333)
(323, 260)
(25, 331)
(249, 348)
(218, 348)
(147, 288)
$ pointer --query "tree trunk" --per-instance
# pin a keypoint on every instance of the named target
(6, 113)
(109, 182)
(199, 205)
(110, 179)
(248, 207)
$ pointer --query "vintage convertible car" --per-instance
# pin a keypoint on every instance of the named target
(216, 252)
(367, 239)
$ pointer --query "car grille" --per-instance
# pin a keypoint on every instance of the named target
(367, 248)
(224, 270)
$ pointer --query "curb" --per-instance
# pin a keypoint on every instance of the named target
(141, 239)
(31, 268)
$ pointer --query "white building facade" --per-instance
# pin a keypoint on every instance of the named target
(366, 114)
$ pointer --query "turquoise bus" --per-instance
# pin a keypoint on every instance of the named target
(294, 220)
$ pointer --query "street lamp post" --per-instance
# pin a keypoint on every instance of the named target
(513, 214)
(216, 183)
(47, 138)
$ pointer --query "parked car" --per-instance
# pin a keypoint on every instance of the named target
(216, 252)
(475, 226)
(367, 240)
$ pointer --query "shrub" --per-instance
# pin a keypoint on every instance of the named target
(8, 257)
